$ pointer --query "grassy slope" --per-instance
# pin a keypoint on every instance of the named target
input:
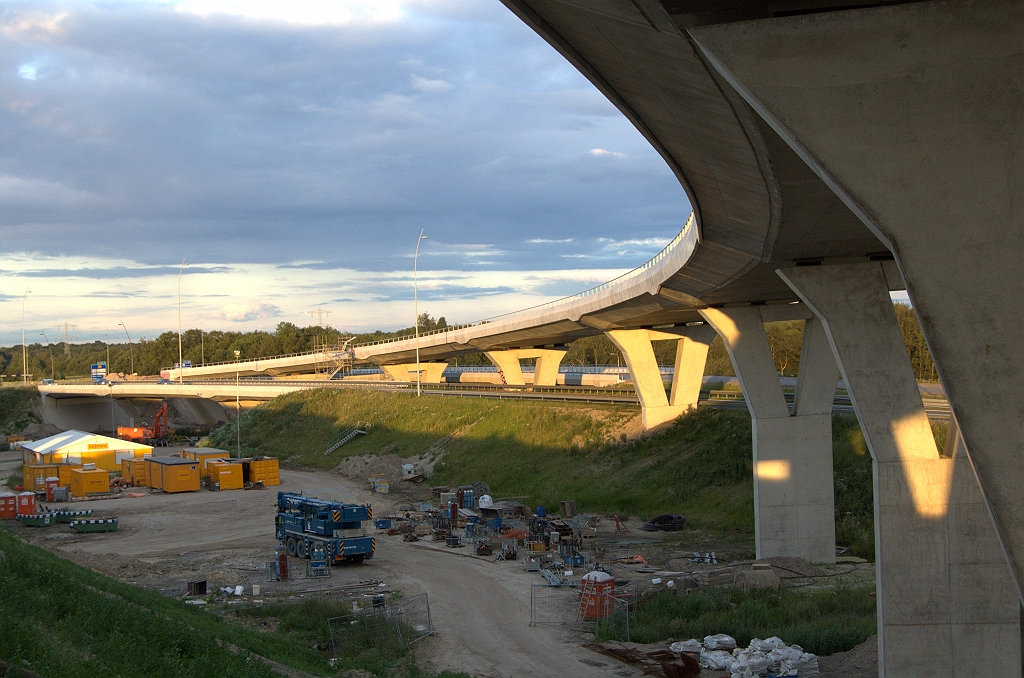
(16, 409)
(701, 466)
(65, 620)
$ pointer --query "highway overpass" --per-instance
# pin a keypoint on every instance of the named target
(831, 154)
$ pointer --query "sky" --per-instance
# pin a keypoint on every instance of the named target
(290, 153)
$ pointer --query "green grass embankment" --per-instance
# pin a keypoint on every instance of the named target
(546, 452)
(61, 620)
(16, 410)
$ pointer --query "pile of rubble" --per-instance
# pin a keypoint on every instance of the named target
(761, 657)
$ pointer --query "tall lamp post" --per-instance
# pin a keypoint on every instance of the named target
(131, 353)
(180, 364)
(51, 352)
(24, 349)
(238, 412)
(110, 385)
(416, 308)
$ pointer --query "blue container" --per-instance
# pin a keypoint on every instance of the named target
(467, 499)
(542, 511)
(494, 523)
(473, 519)
(573, 561)
(383, 523)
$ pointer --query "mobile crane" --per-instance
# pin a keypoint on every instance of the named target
(304, 524)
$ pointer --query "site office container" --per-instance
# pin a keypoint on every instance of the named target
(8, 506)
(173, 474)
(33, 476)
(227, 473)
(203, 455)
(136, 470)
(263, 469)
(89, 481)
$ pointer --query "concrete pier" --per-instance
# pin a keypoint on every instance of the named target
(794, 503)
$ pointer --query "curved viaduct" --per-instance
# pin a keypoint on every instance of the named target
(831, 154)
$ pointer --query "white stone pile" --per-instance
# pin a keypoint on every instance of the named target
(761, 657)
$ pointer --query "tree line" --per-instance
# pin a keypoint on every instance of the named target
(149, 356)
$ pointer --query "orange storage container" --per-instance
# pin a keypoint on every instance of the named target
(26, 504)
(8, 506)
(92, 481)
(174, 474)
(265, 470)
(204, 455)
(227, 473)
(136, 470)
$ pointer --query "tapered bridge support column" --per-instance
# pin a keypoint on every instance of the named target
(794, 504)
(545, 373)
(691, 355)
(944, 590)
(430, 373)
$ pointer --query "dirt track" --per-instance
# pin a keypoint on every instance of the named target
(481, 609)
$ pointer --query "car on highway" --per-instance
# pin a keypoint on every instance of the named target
(164, 381)
(48, 382)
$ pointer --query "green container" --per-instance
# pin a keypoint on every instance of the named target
(67, 515)
(97, 525)
(36, 520)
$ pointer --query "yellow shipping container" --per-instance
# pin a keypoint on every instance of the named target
(173, 474)
(33, 476)
(204, 455)
(85, 482)
(136, 470)
(265, 470)
(227, 473)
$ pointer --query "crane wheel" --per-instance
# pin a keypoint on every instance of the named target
(302, 549)
(290, 544)
(357, 558)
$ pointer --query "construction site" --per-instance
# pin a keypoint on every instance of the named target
(465, 579)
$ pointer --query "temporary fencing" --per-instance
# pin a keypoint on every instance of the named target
(390, 624)
(570, 606)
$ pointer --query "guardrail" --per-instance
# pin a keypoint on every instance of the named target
(643, 268)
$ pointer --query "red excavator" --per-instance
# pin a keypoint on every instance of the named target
(155, 435)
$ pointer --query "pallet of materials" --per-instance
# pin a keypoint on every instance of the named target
(95, 525)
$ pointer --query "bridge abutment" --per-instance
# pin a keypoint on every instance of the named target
(944, 589)
(794, 504)
(430, 373)
(691, 356)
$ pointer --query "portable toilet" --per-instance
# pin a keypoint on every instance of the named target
(51, 483)
(228, 474)
(596, 601)
(8, 506)
(26, 505)
(89, 481)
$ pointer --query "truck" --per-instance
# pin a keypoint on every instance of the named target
(304, 524)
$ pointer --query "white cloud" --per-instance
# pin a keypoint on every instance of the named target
(306, 12)
(252, 310)
(600, 152)
(27, 72)
(431, 86)
(548, 240)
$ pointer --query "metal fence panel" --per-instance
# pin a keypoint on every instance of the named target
(395, 624)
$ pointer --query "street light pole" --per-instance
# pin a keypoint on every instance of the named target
(24, 349)
(238, 413)
(131, 354)
(51, 352)
(416, 308)
(110, 385)
(180, 364)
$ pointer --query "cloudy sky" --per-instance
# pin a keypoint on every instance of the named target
(291, 152)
